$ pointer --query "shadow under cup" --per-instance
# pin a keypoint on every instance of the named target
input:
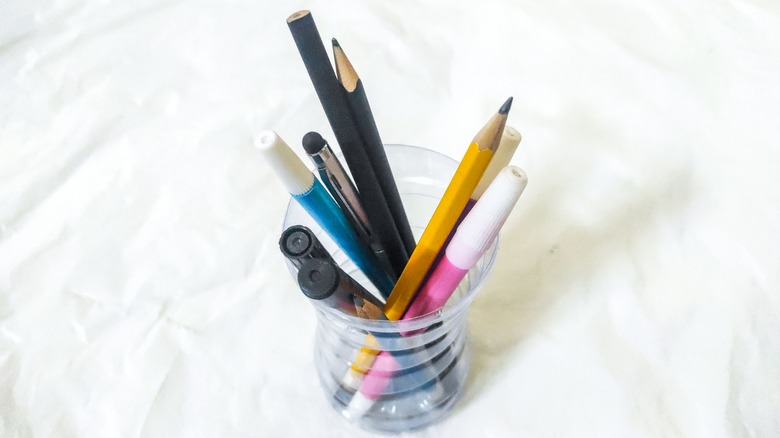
(429, 355)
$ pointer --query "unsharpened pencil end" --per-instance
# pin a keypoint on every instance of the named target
(506, 106)
(313, 143)
(296, 15)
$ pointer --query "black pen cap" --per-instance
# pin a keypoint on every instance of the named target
(318, 278)
(296, 241)
(299, 243)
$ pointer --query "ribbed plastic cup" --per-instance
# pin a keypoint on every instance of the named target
(431, 351)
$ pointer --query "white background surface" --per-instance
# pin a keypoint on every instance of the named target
(635, 294)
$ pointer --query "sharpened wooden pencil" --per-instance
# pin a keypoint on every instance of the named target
(375, 150)
(462, 185)
(333, 101)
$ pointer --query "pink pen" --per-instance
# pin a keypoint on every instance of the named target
(472, 238)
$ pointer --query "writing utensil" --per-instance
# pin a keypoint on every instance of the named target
(455, 197)
(331, 97)
(323, 280)
(338, 183)
(510, 139)
(473, 237)
(462, 185)
(299, 243)
(367, 310)
(312, 196)
(366, 126)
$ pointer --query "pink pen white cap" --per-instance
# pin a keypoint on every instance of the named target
(481, 225)
(472, 238)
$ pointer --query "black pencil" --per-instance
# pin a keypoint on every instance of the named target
(333, 101)
(366, 126)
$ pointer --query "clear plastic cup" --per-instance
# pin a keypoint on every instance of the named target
(430, 354)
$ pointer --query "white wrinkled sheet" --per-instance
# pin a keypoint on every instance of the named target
(636, 290)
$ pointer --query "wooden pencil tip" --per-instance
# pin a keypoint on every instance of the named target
(296, 15)
(506, 106)
(344, 69)
(335, 42)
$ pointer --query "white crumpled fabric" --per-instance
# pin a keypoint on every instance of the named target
(636, 289)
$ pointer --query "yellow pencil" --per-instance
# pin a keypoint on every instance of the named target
(462, 185)
(456, 196)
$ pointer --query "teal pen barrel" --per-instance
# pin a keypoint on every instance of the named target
(318, 203)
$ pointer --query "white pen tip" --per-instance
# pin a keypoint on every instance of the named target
(351, 380)
(266, 139)
(358, 406)
(295, 176)
(517, 174)
(482, 223)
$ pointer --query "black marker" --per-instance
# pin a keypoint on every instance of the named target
(299, 244)
(323, 280)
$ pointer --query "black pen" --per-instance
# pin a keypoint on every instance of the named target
(322, 280)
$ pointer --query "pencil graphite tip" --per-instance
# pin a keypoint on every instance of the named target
(313, 142)
(489, 137)
(335, 42)
(506, 106)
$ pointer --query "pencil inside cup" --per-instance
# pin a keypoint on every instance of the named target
(467, 176)
(474, 235)
(510, 139)
(357, 101)
(333, 101)
(458, 192)
(478, 230)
